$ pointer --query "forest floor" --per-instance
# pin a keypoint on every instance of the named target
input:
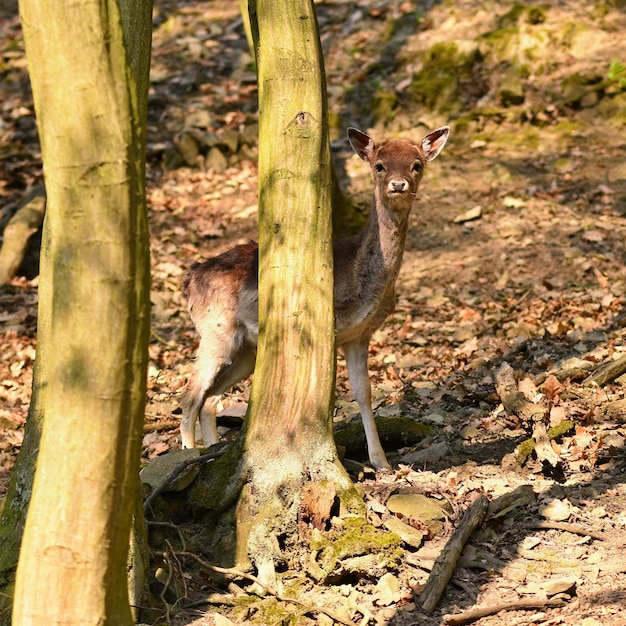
(515, 255)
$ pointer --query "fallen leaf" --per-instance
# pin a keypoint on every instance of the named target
(387, 590)
(555, 510)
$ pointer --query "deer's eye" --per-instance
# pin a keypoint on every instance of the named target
(379, 167)
(417, 167)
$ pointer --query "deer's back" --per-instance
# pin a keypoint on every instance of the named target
(227, 286)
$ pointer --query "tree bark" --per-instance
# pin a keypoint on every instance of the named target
(288, 437)
(94, 310)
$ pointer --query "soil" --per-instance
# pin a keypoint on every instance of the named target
(515, 255)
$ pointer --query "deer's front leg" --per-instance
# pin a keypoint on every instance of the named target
(356, 360)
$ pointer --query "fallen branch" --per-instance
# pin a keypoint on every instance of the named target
(473, 615)
(514, 400)
(20, 228)
(607, 372)
(564, 526)
(230, 571)
(446, 562)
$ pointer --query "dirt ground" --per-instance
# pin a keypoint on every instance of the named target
(515, 255)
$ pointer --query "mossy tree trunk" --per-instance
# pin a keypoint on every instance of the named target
(288, 440)
(89, 72)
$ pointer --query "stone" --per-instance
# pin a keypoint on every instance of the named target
(157, 471)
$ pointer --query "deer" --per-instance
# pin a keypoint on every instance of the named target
(222, 291)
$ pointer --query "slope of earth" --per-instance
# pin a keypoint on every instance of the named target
(515, 256)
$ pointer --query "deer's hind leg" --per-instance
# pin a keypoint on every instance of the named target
(222, 361)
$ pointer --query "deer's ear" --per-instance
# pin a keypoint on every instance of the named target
(361, 143)
(434, 142)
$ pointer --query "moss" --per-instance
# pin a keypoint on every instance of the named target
(438, 85)
(527, 447)
(393, 432)
(384, 105)
(352, 538)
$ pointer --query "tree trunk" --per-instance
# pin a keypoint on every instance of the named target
(288, 439)
(90, 101)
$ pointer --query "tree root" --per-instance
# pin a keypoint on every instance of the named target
(235, 573)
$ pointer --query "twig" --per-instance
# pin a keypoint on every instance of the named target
(230, 571)
(570, 528)
(472, 615)
(162, 425)
(174, 474)
(181, 537)
(160, 339)
(445, 563)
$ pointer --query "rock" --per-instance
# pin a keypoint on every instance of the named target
(189, 147)
(215, 160)
(428, 456)
(559, 585)
(556, 510)
(411, 536)
(249, 136)
(418, 507)
(230, 139)
(162, 466)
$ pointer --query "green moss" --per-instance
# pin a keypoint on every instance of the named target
(527, 447)
(438, 86)
(393, 431)
(354, 537)
(384, 105)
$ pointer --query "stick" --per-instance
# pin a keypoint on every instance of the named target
(445, 563)
(570, 528)
(472, 615)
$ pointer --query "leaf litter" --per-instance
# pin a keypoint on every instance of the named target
(515, 255)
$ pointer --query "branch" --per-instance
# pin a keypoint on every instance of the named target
(26, 221)
(445, 563)
(472, 615)
(607, 372)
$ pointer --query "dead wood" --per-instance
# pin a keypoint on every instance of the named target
(26, 221)
(521, 496)
(514, 400)
(607, 372)
(446, 562)
(543, 447)
(473, 615)
(564, 526)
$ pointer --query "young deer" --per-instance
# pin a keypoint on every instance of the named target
(223, 300)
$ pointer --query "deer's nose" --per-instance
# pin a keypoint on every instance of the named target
(397, 185)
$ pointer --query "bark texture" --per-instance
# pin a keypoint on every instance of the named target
(90, 102)
(288, 440)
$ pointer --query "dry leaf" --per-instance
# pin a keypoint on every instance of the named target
(552, 387)
(387, 590)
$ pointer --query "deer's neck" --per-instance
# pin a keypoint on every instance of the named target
(382, 242)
